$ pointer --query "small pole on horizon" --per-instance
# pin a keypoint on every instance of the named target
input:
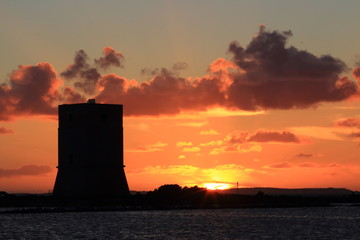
(237, 188)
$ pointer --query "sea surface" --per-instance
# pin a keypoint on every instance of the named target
(269, 223)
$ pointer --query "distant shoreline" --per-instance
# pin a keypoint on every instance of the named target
(183, 198)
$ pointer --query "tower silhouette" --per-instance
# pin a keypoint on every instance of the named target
(90, 145)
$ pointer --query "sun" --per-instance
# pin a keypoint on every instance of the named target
(216, 186)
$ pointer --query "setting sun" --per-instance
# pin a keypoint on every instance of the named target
(217, 186)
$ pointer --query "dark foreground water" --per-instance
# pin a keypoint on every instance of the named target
(271, 223)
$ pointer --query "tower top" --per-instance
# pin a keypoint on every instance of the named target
(91, 101)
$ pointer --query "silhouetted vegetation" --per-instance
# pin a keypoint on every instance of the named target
(170, 196)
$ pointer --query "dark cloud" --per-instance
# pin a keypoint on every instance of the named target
(304, 155)
(80, 63)
(164, 71)
(355, 135)
(69, 96)
(157, 71)
(27, 170)
(87, 76)
(280, 77)
(348, 122)
(280, 165)
(237, 137)
(274, 136)
(111, 58)
(356, 73)
(266, 74)
(163, 94)
(5, 131)
(32, 90)
(180, 66)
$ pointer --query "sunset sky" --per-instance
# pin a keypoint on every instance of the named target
(263, 93)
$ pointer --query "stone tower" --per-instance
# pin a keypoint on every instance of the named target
(90, 145)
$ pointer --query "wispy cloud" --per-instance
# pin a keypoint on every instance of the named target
(156, 147)
(326, 133)
(209, 132)
(304, 155)
(303, 165)
(5, 131)
(27, 170)
(191, 149)
(182, 144)
(192, 124)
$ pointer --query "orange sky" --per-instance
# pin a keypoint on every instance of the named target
(276, 108)
(197, 149)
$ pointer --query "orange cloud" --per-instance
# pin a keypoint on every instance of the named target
(280, 77)
(304, 155)
(192, 124)
(111, 57)
(27, 170)
(156, 147)
(182, 144)
(303, 165)
(5, 131)
(209, 132)
(243, 141)
(191, 149)
(265, 75)
(32, 91)
(348, 122)
(240, 148)
(274, 136)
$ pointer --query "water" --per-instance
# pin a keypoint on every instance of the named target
(271, 223)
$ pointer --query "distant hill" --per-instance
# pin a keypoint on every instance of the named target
(289, 191)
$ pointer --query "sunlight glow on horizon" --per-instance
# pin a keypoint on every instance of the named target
(217, 186)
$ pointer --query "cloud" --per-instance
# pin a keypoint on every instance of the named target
(212, 143)
(263, 136)
(237, 148)
(243, 141)
(293, 85)
(182, 157)
(304, 155)
(192, 124)
(274, 136)
(326, 133)
(32, 90)
(182, 144)
(266, 74)
(27, 170)
(191, 149)
(87, 76)
(351, 124)
(356, 73)
(180, 66)
(280, 165)
(280, 77)
(348, 122)
(355, 135)
(5, 131)
(164, 71)
(165, 94)
(111, 58)
(209, 132)
(156, 147)
(303, 165)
